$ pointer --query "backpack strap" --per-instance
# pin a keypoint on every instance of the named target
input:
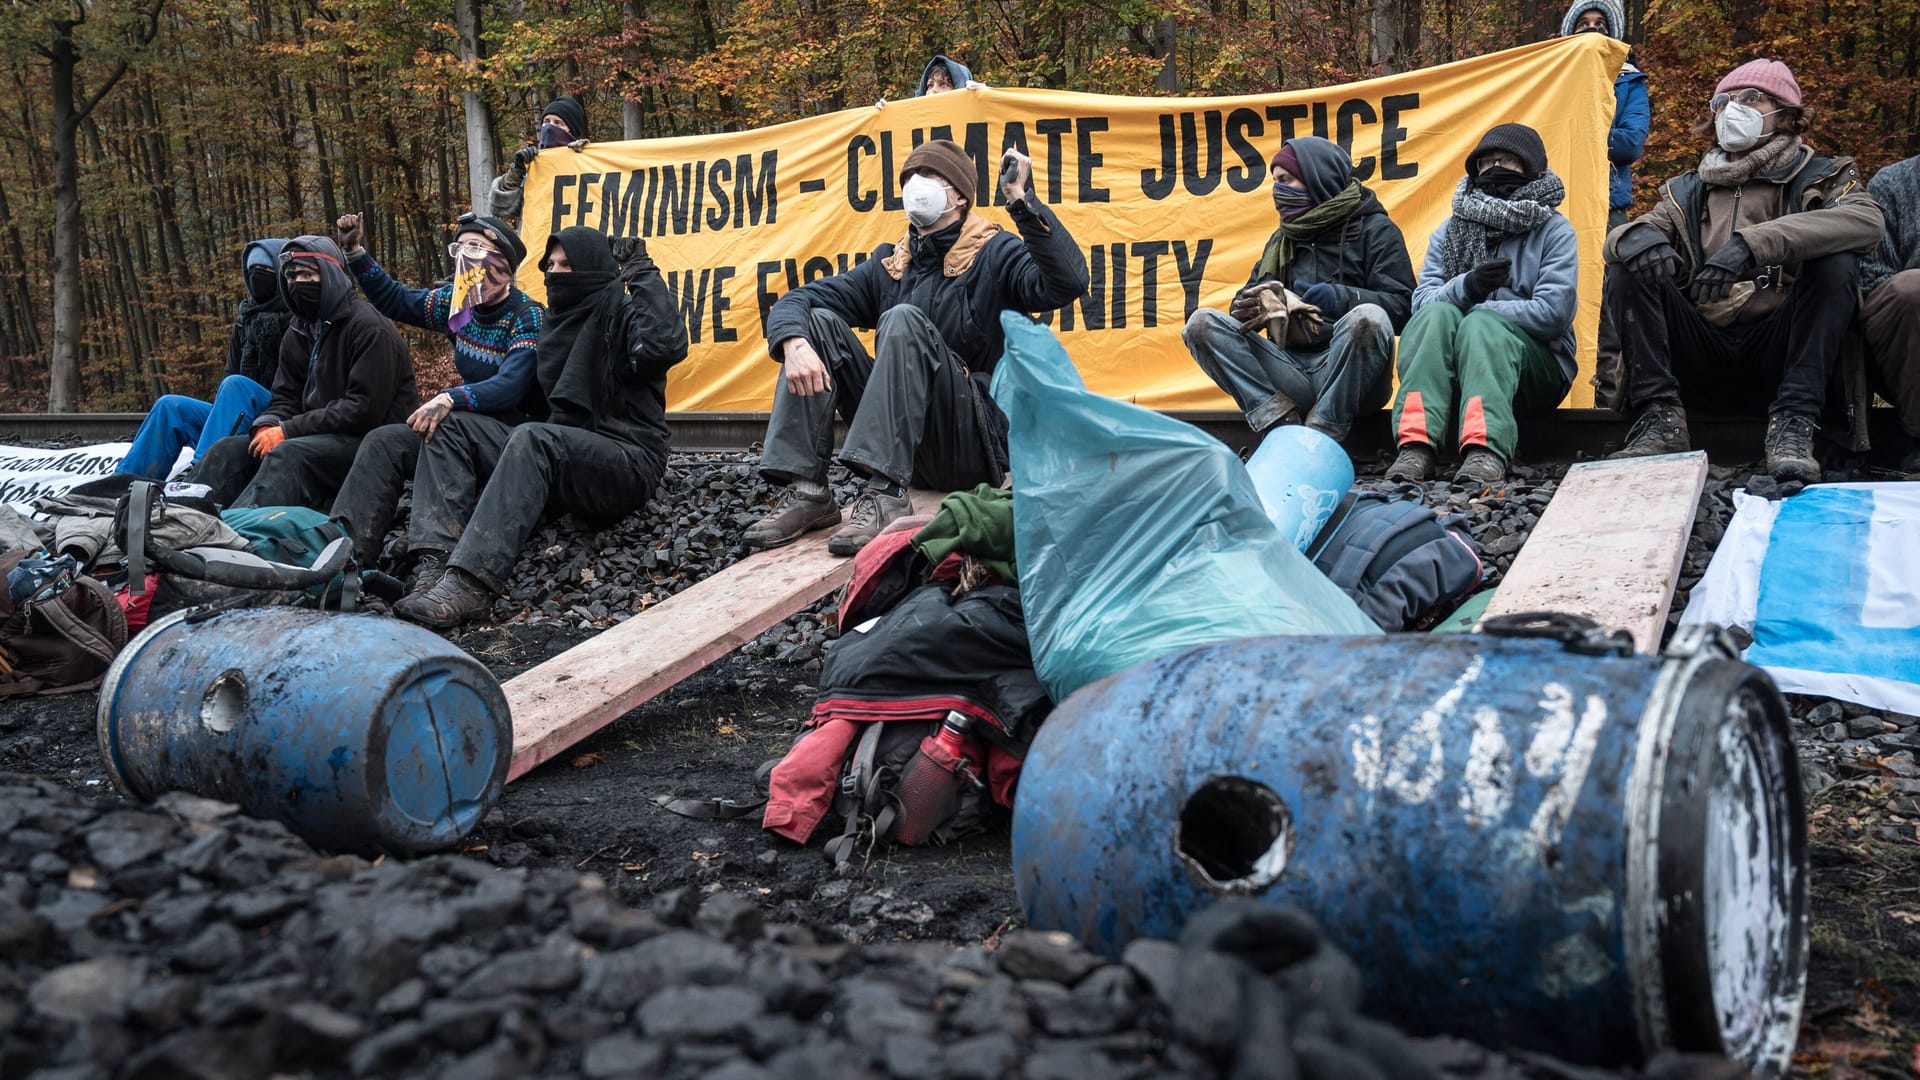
(139, 501)
(714, 809)
(1332, 525)
(856, 788)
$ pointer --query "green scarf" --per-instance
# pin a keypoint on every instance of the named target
(1280, 245)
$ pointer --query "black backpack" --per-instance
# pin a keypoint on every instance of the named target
(1405, 565)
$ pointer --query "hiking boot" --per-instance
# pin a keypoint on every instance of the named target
(1336, 432)
(1480, 466)
(793, 515)
(1911, 463)
(1789, 449)
(454, 599)
(870, 513)
(1661, 428)
(427, 571)
(1414, 464)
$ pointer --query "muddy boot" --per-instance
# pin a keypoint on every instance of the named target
(1789, 449)
(427, 571)
(1414, 464)
(873, 511)
(455, 598)
(803, 507)
(1336, 432)
(1660, 429)
(1481, 466)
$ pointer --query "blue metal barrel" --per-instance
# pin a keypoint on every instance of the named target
(1599, 856)
(362, 734)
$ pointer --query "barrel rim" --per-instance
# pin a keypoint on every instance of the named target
(104, 712)
(379, 792)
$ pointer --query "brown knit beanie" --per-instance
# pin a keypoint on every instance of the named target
(946, 159)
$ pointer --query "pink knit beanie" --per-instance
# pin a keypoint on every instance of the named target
(1770, 76)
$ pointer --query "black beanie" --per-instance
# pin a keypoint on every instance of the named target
(1517, 139)
(568, 108)
(497, 231)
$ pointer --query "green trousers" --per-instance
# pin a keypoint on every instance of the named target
(1489, 366)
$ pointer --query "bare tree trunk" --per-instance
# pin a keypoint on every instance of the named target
(1165, 46)
(466, 19)
(63, 364)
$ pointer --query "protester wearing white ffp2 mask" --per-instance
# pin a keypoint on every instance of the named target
(1733, 293)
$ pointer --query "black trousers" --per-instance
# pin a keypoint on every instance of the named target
(303, 471)
(370, 495)
(492, 483)
(1777, 364)
(911, 409)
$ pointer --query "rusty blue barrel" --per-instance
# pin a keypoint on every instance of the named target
(1598, 856)
(362, 734)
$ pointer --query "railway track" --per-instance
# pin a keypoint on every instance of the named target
(1571, 434)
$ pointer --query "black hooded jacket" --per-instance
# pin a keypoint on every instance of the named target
(610, 336)
(253, 349)
(1364, 255)
(344, 373)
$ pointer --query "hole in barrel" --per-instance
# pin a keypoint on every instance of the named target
(225, 704)
(1235, 835)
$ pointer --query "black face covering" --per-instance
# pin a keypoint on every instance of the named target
(303, 298)
(1500, 181)
(261, 285)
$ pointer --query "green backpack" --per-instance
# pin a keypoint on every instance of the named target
(284, 534)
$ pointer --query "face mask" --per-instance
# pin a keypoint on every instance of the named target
(262, 286)
(552, 135)
(1739, 126)
(1290, 201)
(925, 199)
(1500, 181)
(1591, 30)
(303, 298)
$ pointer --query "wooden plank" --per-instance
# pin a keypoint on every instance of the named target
(1610, 545)
(575, 694)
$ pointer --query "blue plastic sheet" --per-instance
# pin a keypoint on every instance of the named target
(1138, 535)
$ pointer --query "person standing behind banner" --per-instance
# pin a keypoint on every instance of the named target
(611, 333)
(562, 123)
(1492, 328)
(1337, 249)
(919, 407)
(494, 328)
(253, 356)
(1626, 141)
(344, 370)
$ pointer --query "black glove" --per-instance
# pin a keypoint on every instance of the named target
(1483, 279)
(524, 156)
(1660, 260)
(631, 253)
(1731, 263)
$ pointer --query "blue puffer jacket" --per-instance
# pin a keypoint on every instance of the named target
(1627, 139)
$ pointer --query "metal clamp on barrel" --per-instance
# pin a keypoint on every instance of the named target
(1577, 632)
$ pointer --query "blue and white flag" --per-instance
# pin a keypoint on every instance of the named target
(1828, 584)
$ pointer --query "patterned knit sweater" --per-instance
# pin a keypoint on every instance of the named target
(494, 352)
(1897, 189)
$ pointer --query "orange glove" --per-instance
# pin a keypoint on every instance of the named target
(265, 439)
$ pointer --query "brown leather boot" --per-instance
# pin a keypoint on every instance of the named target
(794, 515)
(870, 513)
(427, 571)
(457, 597)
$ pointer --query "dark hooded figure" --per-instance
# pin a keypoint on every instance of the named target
(563, 122)
(344, 370)
(942, 74)
(1336, 249)
(253, 356)
(611, 334)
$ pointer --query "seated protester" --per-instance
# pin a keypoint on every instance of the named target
(919, 407)
(253, 355)
(344, 370)
(1890, 281)
(1337, 249)
(494, 328)
(562, 123)
(603, 360)
(1492, 327)
(1733, 293)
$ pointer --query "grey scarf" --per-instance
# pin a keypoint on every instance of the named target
(1722, 169)
(1479, 219)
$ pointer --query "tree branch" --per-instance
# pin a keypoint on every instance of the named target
(147, 34)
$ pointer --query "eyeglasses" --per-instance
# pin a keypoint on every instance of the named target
(1748, 97)
(470, 250)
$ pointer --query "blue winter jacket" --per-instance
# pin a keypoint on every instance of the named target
(1627, 139)
(1540, 296)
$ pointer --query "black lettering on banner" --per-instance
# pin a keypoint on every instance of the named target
(794, 275)
(859, 199)
(1320, 119)
(816, 268)
(1149, 253)
(717, 176)
(1160, 185)
(1392, 134)
(1192, 268)
(586, 204)
(689, 289)
(1350, 110)
(561, 207)
(986, 166)
(889, 198)
(1200, 183)
(1012, 137)
(1244, 126)
(756, 201)
(1053, 129)
(1117, 286)
(1086, 160)
(677, 194)
(721, 304)
(1287, 116)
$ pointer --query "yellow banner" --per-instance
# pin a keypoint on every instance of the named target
(1169, 197)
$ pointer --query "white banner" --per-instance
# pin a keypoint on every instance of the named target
(26, 473)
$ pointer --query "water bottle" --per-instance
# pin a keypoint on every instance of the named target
(930, 782)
